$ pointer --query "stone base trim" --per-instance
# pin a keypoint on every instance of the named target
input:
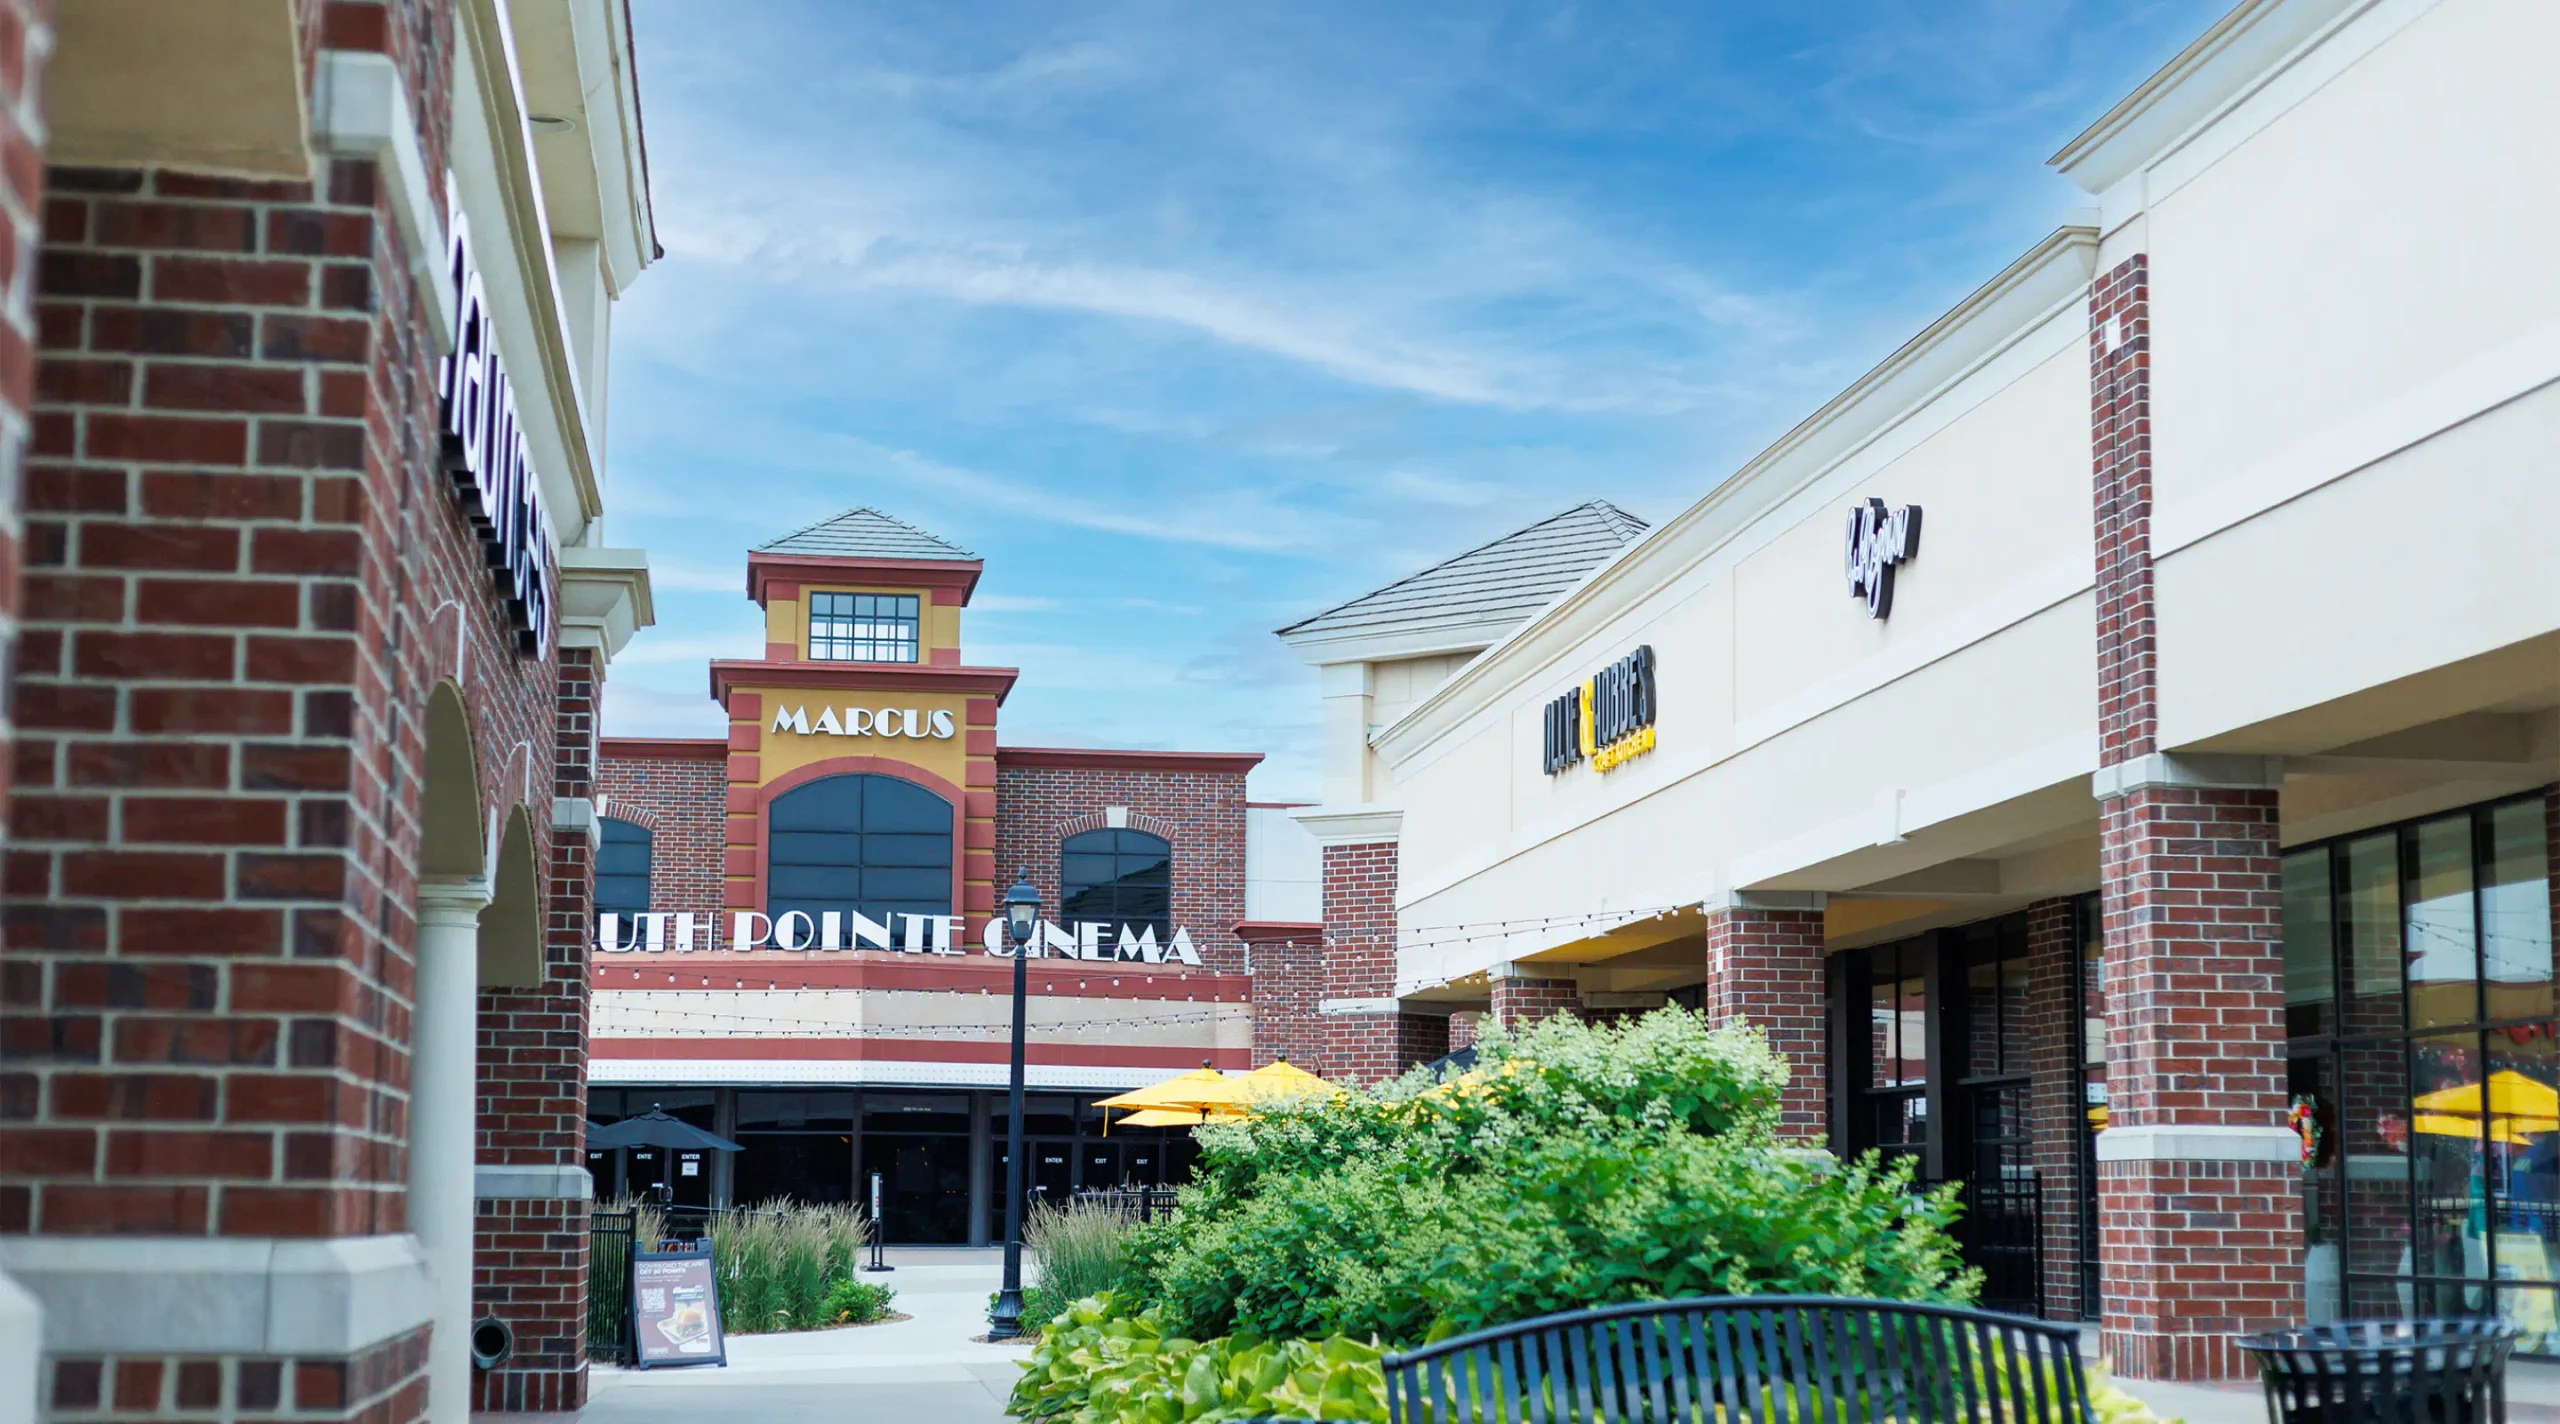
(2191, 1255)
(2201, 1142)
(505, 1183)
(2155, 770)
(21, 1332)
(383, 1385)
(197, 1295)
(2141, 1355)
(1387, 1005)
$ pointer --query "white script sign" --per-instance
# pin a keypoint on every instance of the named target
(796, 930)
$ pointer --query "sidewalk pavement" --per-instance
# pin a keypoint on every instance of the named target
(926, 1370)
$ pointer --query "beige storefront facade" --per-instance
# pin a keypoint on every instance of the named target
(2108, 837)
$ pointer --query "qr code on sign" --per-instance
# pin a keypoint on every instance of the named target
(653, 1298)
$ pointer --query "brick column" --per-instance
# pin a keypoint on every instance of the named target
(2200, 1211)
(26, 36)
(1368, 1037)
(1520, 999)
(1463, 1028)
(530, 1246)
(2057, 1101)
(1764, 965)
(1288, 982)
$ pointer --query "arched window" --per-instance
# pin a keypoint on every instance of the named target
(1122, 877)
(622, 868)
(870, 845)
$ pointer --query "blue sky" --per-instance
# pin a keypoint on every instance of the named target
(1192, 319)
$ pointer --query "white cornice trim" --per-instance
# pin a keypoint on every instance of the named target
(157, 1295)
(1332, 649)
(2188, 771)
(1992, 338)
(1351, 825)
(2243, 50)
(605, 597)
(862, 1073)
(489, 48)
(360, 108)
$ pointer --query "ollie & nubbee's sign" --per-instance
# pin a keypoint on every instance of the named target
(1607, 720)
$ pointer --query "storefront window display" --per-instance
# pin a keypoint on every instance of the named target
(2418, 990)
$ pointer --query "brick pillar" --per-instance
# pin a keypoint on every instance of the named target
(530, 1245)
(1764, 965)
(1288, 982)
(2199, 1200)
(2057, 1101)
(1368, 1037)
(1463, 1026)
(26, 36)
(1520, 1000)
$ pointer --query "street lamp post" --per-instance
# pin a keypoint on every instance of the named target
(1021, 915)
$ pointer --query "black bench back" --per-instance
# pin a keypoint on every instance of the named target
(1748, 1360)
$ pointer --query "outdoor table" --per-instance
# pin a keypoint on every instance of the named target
(2386, 1372)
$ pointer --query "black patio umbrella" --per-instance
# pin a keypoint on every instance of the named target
(655, 1129)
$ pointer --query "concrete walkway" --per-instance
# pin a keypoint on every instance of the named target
(920, 1371)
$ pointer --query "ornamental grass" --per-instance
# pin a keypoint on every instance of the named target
(1080, 1248)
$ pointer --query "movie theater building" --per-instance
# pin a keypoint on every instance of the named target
(2158, 839)
(312, 343)
(799, 939)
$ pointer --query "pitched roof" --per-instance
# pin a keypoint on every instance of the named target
(865, 533)
(1506, 580)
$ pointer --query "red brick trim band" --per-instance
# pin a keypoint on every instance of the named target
(1099, 759)
(914, 1050)
(729, 673)
(764, 571)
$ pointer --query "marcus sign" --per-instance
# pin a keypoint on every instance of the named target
(865, 722)
(797, 931)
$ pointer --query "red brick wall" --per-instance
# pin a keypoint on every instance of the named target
(1201, 813)
(26, 33)
(2120, 447)
(386, 1382)
(683, 802)
(530, 1256)
(1521, 1002)
(2057, 1107)
(1368, 1046)
(1766, 966)
(1288, 981)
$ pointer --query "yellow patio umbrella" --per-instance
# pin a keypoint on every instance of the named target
(1175, 1092)
(2511, 1094)
(2508, 1130)
(1270, 1085)
(1176, 1117)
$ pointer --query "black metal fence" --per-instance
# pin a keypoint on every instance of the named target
(609, 1251)
(2002, 1232)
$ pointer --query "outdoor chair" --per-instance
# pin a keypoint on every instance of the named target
(1748, 1360)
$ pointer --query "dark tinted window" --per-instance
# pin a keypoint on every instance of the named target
(870, 845)
(622, 869)
(1119, 876)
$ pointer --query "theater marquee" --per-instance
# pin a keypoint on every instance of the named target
(797, 931)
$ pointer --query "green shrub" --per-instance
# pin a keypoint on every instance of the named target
(1585, 1166)
(779, 1263)
(857, 1302)
(1079, 1248)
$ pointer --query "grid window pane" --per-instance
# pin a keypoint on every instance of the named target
(858, 845)
(2444, 954)
(1122, 878)
(622, 868)
(863, 627)
(2515, 914)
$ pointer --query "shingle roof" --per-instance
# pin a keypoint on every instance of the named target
(1507, 580)
(865, 533)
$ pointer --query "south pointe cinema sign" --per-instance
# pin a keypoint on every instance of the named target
(797, 931)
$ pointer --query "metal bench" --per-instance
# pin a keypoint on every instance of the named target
(1760, 1359)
